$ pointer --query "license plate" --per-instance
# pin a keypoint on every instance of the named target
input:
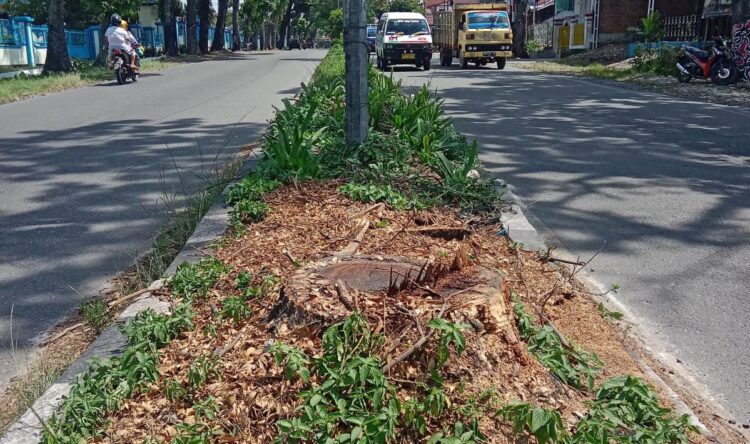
(408, 56)
(489, 54)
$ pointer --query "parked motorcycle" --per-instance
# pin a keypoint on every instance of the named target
(119, 62)
(715, 64)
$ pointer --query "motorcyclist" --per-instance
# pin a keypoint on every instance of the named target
(136, 46)
(119, 38)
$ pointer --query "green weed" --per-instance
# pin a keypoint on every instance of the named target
(201, 371)
(375, 193)
(235, 308)
(545, 425)
(194, 280)
(573, 366)
(96, 314)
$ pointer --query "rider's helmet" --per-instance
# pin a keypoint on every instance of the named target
(124, 25)
(115, 19)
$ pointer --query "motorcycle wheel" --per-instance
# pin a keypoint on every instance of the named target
(120, 76)
(683, 78)
(724, 73)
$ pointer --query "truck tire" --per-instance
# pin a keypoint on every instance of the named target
(426, 64)
(447, 60)
(500, 62)
(462, 61)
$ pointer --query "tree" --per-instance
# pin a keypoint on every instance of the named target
(376, 8)
(519, 29)
(204, 10)
(236, 41)
(100, 11)
(190, 13)
(741, 36)
(406, 6)
(335, 26)
(170, 28)
(221, 22)
(58, 59)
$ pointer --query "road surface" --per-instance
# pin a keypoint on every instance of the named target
(84, 175)
(661, 184)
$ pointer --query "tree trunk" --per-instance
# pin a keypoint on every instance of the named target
(221, 22)
(205, 16)
(191, 40)
(236, 41)
(101, 59)
(519, 29)
(58, 59)
(170, 29)
(741, 36)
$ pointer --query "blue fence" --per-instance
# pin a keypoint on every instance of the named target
(82, 43)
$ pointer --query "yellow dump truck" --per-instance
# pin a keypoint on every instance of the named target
(478, 33)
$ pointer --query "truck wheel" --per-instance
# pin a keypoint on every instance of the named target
(384, 64)
(462, 61)
(447, 60)
(426, 64)
(500, 62)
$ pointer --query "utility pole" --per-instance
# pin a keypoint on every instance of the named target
(355, 53)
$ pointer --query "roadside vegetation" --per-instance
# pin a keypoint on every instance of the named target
(25, 86)
(255, 350)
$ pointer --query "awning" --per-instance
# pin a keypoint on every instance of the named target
(717, 8)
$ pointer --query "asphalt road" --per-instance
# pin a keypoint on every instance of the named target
(86, 176)
(662, 185)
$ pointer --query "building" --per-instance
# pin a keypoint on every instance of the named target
(585, 24)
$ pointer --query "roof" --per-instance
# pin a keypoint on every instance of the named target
(404, 15)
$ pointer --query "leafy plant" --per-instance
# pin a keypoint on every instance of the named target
(545, 425)
(201, 370)
(295, 362)
(607, 314)
(207, 408)
(194, 280)
(627, 410)
(96, 314)
(571, 365)
(251, 187)
(375, 193)
(450, 333)
(173, 390)
(460, 435)
(235, 308)
(250, 210)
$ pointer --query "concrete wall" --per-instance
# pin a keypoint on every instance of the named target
(12, 56)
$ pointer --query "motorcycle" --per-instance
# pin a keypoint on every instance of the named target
(119, 62)
(715, 64)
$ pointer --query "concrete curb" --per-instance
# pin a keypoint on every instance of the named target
(28, 428)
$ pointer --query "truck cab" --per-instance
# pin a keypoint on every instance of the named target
(476, 33)
(403, 38)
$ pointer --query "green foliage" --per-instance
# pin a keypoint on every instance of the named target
(460, 435)
(335, 23)
(173, 390)
(450, 333)
(627, 410)
(194, 280)
(207, 408)
(545, 425)
(406, 6)
(251, 187)
(609, 315)
(660, 60)
(201, 371)
(650, 28)
(376, 193)
(108, 383)
(96, 314)
(573, 366)
(296, 363)
(235, 308)
(250, 210)
(533, 46)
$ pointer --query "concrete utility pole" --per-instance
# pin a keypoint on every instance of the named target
(355, 53)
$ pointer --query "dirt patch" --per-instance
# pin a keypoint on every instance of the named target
(300, 242)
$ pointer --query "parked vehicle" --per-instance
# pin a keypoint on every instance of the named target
(716, 64)
(403, 38)
(372, 32)
(119, 62)
(478, 33)
(294, 44)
